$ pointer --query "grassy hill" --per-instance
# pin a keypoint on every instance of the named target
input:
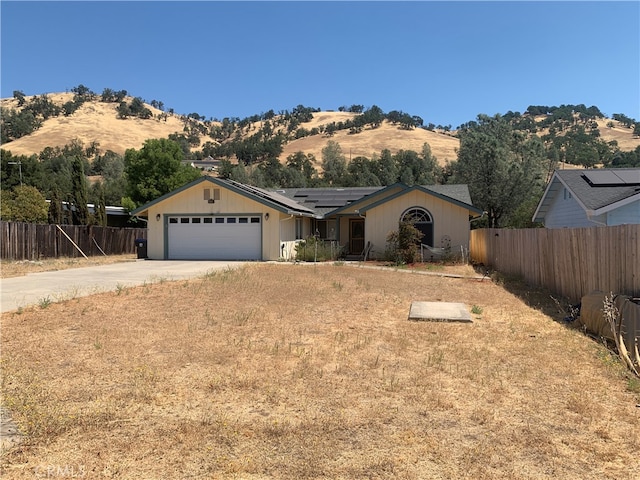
(96, 121)
(371, 142)
(93, 121)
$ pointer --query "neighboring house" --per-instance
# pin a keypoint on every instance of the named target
(587, 198)
(212, 218)
(208, 164)
(116, 216)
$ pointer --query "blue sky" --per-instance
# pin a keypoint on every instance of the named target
(444, 61)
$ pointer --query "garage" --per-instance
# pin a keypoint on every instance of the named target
(229, 237)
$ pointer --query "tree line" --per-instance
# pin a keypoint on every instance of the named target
(62, 176)
(504, 159)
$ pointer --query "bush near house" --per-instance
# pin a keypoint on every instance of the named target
(403, 244)
(313, 249)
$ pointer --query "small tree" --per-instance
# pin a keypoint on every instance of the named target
(24, 204)
(55, 208)
(81, 214)
(19, 96)
(402, 244)
(334, 164)
(155, 170)
(101, 210)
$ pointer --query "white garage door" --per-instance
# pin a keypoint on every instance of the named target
(215, 238)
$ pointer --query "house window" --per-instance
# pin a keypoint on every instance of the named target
(243, 220)
(299, 228)
(219, 220)
(326, 229)
(184, 220)
(196, 220)
(255, 219)
(208, 220)
(567, 194)
(231, 220)
(173, 220)
(422, 220)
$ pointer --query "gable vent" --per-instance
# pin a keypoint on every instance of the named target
(211, 194)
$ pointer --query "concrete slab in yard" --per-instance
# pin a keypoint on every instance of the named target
(439, 312)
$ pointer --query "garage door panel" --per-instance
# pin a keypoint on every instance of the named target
(230, 240)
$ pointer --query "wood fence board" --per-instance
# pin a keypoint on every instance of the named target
(568, 262)
(26, 241)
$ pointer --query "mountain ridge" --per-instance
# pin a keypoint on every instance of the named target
(97, 121)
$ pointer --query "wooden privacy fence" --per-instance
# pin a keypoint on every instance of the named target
(569, 261)
(29, 241)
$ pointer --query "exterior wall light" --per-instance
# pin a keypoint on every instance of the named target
(266, 216)
(158, 217)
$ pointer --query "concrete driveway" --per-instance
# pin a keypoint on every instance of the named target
(20, 292)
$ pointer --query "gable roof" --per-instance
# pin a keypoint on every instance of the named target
(455, 194)
(596, 191)
(322, 202)
(265, 197)
(332, 201)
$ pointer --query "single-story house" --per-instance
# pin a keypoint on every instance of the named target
(214, 218)
(587, 198)
(208, 164)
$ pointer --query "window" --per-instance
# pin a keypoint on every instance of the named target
(208, 220)
(184, 220)
(327, 229)
(417, 215)
(255, 219)
(299, 228)
(321, 228)
(231, 220)
(196, 220)
(173, 220)
(219, 220)
(243, 220)
(422, 220)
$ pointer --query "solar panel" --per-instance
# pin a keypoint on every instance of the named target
(631, 177)
(610, 178)
(272, 196)
(331, 203)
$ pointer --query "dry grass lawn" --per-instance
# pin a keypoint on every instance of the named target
(302, 371)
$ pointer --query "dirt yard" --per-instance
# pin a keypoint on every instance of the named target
(314, 371)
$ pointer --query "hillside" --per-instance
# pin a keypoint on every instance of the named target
(96, 121)
(93, 121)
(371, 142)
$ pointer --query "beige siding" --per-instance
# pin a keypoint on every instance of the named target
(191, 201)
(344, 231)
(448, 219)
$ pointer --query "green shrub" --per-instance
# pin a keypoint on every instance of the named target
(317, 250)
(403, 245)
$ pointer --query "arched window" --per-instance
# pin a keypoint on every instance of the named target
(422, 220)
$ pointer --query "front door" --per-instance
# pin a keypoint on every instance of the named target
(356, 235)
